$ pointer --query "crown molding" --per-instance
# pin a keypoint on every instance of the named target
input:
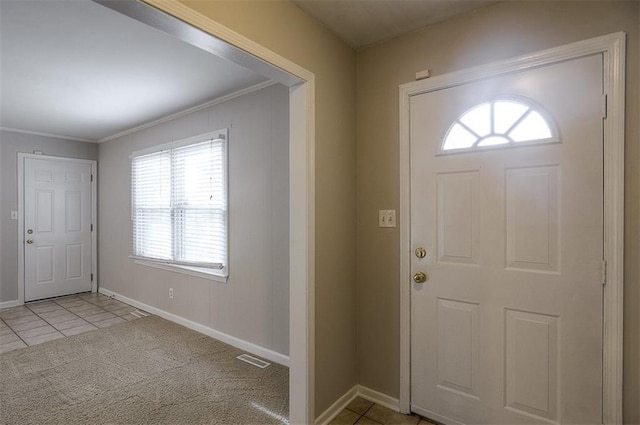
(39, 133)
(191, 110)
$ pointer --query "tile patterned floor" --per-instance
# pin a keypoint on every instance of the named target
(42, 321)
(365, 412)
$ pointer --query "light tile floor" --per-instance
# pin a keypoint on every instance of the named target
(42, 321)
(364, 412)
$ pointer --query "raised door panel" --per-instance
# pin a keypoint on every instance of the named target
(531, 361)
(532, 210)
(73, 211)
(45, 211)
(458, 217)
(73, 260)
(44, 266)
(73, 177)
(458, 344)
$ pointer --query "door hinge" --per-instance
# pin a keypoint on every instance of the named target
(91, 177)
(605, 105)
(604, 272)
(91, 277)
(92, 227)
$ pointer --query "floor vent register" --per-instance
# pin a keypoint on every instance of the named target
(253, 361)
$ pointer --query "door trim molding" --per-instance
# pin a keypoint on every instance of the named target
(612, 47)
(94, 216)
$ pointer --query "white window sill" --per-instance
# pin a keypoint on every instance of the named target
(188, 270)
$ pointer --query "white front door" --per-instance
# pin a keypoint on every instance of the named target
(507, 200)
(57, 227)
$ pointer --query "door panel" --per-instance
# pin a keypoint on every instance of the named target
(458, 346)
(532, 363)
(45, 214)
(508, 326)
(458, 217)
(44, 264)
(532, 213)
(73, 211)
(57, 233)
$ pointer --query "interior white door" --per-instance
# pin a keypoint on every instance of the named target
(57, 227)
(507, 328)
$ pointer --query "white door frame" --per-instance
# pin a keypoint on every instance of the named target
(612, 47)
(94, 216)
(235, 47)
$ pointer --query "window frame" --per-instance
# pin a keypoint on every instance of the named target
(216, 274)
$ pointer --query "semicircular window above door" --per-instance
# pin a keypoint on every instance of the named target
(500, 123)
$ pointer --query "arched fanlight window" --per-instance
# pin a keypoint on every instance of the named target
(499, 123)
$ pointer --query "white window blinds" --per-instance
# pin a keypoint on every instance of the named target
(179, 204)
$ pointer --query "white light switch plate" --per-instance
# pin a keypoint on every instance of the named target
(387, 218)
(14, 215)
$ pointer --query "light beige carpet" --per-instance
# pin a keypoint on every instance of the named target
(148, 371)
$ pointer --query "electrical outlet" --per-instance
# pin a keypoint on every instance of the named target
(170, 293)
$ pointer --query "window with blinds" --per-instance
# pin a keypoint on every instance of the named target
(179, 203)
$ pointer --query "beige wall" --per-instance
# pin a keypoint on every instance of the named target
(10, 144)
(285, 29)
(253, 305)
(498, 32)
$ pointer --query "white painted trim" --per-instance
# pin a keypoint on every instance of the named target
(222, 134)
(178, 268)
(191, 110)
(94, 221)
(603, 44)
(9, 304)
(301, 190)
(20, 241)
(55, 136)
(357, 391)
(337, 407)
(302, 253)
(379, 398)
(206, 330)
(612, 47)
(94, 216)
(614, 131)
(404, 217)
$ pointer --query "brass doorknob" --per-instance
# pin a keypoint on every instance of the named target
(421, 252)
(29, 241)
(420, 277)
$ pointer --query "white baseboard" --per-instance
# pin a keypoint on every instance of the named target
(357, 391)
(9, 304)
(337, 407)
(231, 340)
(379, 398)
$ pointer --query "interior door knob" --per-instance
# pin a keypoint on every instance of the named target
(420, 277)
(29, 241)
(421, 252)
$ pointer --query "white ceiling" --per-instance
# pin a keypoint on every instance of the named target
(361, 23)
(77, 69)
